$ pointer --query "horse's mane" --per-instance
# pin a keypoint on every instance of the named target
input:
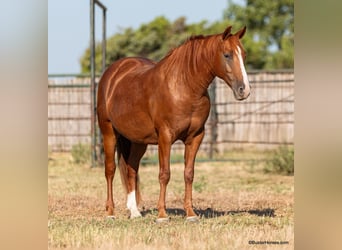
(188, 40)
(191, 56)
(194, 37)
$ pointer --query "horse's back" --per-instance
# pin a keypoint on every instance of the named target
(116, 72)
(120, 69)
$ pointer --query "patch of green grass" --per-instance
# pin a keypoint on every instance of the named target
(281, 161)
(81, 153)
(153, 159)
(252, 156)
(200, 184)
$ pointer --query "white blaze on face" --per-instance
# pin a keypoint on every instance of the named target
(132, 205)
(243, 70)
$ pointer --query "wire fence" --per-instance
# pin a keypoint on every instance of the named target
(263, 121)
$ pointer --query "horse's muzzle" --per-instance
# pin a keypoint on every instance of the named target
(242, 92)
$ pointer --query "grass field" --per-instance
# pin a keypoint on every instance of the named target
(238, 205)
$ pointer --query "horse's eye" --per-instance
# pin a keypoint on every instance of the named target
(228, 55)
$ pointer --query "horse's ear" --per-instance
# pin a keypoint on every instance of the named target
(226, 33)
(241, 32)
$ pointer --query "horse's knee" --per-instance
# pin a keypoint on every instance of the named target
(164, 176)
(189, 175)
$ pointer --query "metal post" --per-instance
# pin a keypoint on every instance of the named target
(93, 89)
(104, 45)
(104, 40)
(92, 83)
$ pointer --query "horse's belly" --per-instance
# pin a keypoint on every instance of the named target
(136, 127)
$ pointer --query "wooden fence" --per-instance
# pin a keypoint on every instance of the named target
(264, 120)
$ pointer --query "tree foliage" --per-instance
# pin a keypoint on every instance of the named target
(270, 38)
(268, 41)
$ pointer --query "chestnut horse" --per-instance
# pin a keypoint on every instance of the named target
(142, 102)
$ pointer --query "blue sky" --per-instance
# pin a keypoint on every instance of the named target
(68, 23)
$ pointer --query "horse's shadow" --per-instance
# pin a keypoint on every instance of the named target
(211, 213)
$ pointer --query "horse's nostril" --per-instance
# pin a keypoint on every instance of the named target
(241, 89)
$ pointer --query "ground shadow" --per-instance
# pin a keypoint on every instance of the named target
(211, 213)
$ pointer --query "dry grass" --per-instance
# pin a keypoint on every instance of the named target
(237, 203)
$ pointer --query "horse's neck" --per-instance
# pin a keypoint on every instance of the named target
(188, 74)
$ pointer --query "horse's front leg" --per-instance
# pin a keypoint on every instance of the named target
(164, 148)
(191, 148)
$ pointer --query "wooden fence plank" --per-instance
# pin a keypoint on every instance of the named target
(264, 120)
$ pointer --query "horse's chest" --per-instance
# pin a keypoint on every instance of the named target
(194, 118)
(199, 118)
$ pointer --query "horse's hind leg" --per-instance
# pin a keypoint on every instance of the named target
(133, 193)
(109, 144)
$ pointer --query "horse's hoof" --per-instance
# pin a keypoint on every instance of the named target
(111, 217)
(193, 219)
(162, 220)
(135, 215)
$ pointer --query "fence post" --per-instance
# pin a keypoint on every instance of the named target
(96, 139)
(213, 119)
(92, 84)
(100, 150)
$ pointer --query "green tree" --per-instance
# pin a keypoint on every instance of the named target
(268, 41)
(152, 40)
(270, 31)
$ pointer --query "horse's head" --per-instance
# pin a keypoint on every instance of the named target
(229, 63)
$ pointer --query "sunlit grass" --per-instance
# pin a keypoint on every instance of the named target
(236, 204)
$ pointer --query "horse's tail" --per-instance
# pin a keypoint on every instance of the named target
(123, 150)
